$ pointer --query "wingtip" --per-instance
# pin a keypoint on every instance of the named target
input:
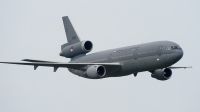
(2, 62)
(6, 62)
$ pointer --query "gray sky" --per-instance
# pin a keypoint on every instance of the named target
(34, 29)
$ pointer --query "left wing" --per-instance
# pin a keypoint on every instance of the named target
(56, 65)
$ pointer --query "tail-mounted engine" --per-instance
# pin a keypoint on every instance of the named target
(162, 74)
(73, 50)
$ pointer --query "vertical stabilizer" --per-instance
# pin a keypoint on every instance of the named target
(72, 37)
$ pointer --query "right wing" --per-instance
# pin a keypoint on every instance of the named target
(178, 67)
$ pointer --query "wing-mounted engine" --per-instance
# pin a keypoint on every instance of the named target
(96, 71)
(75, 49)
(162, 74)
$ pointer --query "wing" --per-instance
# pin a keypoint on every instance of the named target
(30, 60)
(178, 67)
(56, 65)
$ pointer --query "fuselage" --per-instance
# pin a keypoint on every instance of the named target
(134, 59)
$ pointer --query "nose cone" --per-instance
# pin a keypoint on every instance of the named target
(179, 54)
(61, 53)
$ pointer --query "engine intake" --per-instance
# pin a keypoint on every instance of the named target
(73, 50)
(162, 74)
(87, 46)
(96, 71)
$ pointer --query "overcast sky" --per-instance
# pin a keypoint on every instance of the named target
(34, 29)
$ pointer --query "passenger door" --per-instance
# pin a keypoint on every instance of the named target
(135, 60)
(110, 58)
(160, 50)
(161, 61)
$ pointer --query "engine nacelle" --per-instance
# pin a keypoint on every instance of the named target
(162, 74)
(77, 49)
(96, 71)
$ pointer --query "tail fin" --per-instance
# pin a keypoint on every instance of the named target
(72, 37)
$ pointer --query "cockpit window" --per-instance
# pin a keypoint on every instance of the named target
(172, 47)
(175, 47)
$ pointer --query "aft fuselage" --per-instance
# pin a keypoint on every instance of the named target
(134, 59)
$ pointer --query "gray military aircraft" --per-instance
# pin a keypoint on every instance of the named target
(155, 57)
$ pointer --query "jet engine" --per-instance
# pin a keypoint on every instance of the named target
(73, 50)
(96, 71)
(162, 74)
